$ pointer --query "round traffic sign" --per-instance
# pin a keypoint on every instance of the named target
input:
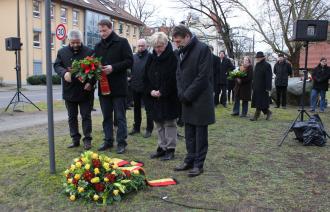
(60, 32)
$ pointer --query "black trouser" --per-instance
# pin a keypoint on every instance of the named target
(109, 106)
(196, 144)
(281, 95)
(138, 97)
(221, 89)
(85, 112)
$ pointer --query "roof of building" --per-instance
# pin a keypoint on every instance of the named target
(106, 7)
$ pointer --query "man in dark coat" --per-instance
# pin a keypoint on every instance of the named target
(75, 93)
(220, 78)
(140, 60)
(117, 57)
(282, 71)
(194, 82)
(320, 76)
(262, 85)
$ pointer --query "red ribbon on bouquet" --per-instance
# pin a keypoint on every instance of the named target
(104, 84)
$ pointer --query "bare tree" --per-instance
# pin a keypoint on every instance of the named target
(275, 20)
(142, 10)
(218, 12)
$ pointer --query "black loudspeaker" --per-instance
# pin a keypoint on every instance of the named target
(310, 30)
(13, 44)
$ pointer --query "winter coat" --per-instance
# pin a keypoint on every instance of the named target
(223, 68)
(262, 82)
(116, 51)
(160, 75)
(321, 76)
(243, 90)
(140, 60)
(72, 91)
(282, 72)
(194, 81)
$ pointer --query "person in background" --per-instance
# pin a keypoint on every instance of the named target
(194, 81)
(75, 93)
(137, 86)
(230, 86)
(160, 86)
(220, 75)
(320, 76)
(242, 89)
(282, 71)
(262, 85)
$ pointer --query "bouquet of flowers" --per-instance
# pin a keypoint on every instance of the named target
(98, 178)
(87, 68)
(236, 74)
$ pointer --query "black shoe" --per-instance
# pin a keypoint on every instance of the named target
(93, 109)
(104, 147)
(73, 145)
(234, 114)
(183, 167)
(133, 132)
(243, 115)
(169, 155)
(87, 145)
(159, 153)
(147, 134)
(121, 149)
(195, 172)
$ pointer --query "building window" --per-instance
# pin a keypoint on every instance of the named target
(36, 39)
(75, 17)
(37, 68)
(134, 31)
(52, 11)
(63, 14)
(36, 9)
(120, 29)
(128, 29)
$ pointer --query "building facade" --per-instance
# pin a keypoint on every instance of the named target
(74, 14)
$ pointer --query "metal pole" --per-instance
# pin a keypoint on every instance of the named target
(304, 84)
(18, 71)
(49, 87)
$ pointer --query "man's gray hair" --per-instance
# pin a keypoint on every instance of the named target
(158, 38)
(75, 34)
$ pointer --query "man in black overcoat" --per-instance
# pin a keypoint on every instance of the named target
(220, 79)
(75, 93)
(195, 91)
(117, 58)
(282, 71)
(262, 85)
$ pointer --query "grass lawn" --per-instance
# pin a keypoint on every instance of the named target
(245, 170)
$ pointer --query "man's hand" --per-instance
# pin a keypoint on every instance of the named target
(67, 76)
(155, 93)
(88, 87)
(107, 69)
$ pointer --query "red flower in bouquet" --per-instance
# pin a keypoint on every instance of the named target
(111, 177)
(127, 173)
(96, 163)
(99, 187)
(88, 175)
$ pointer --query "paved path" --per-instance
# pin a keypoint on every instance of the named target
(17, 120)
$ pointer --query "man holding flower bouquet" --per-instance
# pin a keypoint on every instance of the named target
(117, 57)
(76, 93)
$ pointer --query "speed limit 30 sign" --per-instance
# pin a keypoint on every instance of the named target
(60, 32)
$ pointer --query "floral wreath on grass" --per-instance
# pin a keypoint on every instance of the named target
(98, 178)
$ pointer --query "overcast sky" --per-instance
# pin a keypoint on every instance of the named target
(169, 9)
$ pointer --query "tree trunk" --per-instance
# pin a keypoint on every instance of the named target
(295, 57)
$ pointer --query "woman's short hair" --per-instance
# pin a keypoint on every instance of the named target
(75, 34)
(158, 38)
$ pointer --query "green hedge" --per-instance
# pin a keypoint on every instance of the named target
(41, 80)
